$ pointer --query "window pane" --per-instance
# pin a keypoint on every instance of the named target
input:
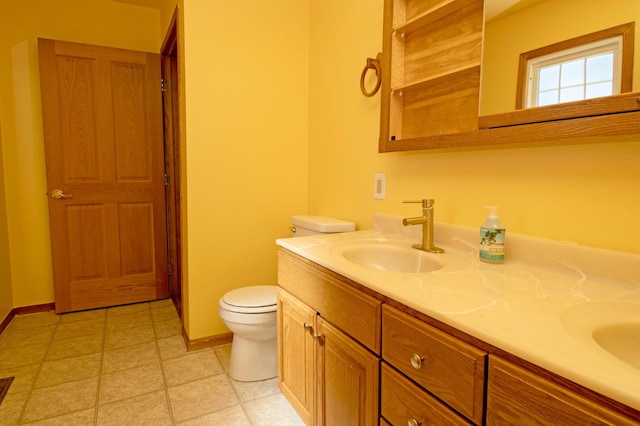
(549, 78)
(572, 73)
(571, 94)
(575, 72)
(548, 98)
(599, 89)
(600, 68)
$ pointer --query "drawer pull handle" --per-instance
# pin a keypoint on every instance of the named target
(309, 328)
(416, 361)
(413, 422)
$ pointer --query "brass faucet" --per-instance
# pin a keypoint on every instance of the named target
(426, 220)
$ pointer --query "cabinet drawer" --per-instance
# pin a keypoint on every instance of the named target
(518, 396)
(449, 368)
(403, 400)
(331, 295)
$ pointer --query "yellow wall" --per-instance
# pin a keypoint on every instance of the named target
(85, 21)
(274, 124)
(246, 84)
(506, 40)
(585, 193)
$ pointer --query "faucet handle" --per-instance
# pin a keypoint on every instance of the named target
(426, 202)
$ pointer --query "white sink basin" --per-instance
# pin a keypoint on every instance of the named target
(388, 255)
(621, 340)
(609, 327)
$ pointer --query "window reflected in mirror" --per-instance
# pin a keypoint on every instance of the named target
(557, 80)
(586, 67)
(514, 27)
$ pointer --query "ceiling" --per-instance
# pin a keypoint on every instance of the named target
(154, 4)
(500, 8)
(493, 8)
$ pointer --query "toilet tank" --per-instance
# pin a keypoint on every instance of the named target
(313, 225)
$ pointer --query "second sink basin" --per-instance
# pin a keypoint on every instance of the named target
(386, 255)
(610, 326)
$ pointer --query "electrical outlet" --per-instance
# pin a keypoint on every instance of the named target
(380, 186)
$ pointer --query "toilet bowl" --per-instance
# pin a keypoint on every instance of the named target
(250, 313)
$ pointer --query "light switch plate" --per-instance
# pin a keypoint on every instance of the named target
(380, 186)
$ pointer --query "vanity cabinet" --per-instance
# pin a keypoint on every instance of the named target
(348, 355)
(328, 345)
(447, 367)
(518, 396)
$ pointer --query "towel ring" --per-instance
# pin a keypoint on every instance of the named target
(375, 65)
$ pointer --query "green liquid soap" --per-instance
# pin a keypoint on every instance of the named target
(492, 238)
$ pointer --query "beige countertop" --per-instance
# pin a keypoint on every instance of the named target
(540, 305)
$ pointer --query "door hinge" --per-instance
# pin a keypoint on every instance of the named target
(163, 84)
(167, 180)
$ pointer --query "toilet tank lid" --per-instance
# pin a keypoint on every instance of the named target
(323, 224)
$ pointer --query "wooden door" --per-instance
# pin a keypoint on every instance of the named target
(102, 112)
(296, 355)
(173, 145)
(348, 380)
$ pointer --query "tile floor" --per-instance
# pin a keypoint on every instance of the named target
(126, 365)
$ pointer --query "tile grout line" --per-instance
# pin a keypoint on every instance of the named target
(105, 349)
(104, 345)
(49, 348)
(39, 370)
(164, 378)
(233, 388)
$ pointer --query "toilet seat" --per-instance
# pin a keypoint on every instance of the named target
(250, 300)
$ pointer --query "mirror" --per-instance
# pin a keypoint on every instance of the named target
(513, 27)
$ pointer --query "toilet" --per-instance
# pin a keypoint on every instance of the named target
(250, 312)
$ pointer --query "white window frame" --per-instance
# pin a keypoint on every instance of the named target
(622, 34)
(611, 45)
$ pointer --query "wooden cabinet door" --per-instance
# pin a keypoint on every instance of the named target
(296, 354)
(102, 115)
(348, 380)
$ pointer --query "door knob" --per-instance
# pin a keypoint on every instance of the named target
(57, 193)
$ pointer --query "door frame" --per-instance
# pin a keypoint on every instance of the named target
(173, 148)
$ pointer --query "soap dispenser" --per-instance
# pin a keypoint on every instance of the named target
(492, 238)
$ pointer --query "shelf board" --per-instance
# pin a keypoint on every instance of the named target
(624, 102)
(436, 78)
(438, 12)
(596, 129)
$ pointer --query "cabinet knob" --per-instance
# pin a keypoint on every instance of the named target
(309, 328)
(414, 422)
(416, 361)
